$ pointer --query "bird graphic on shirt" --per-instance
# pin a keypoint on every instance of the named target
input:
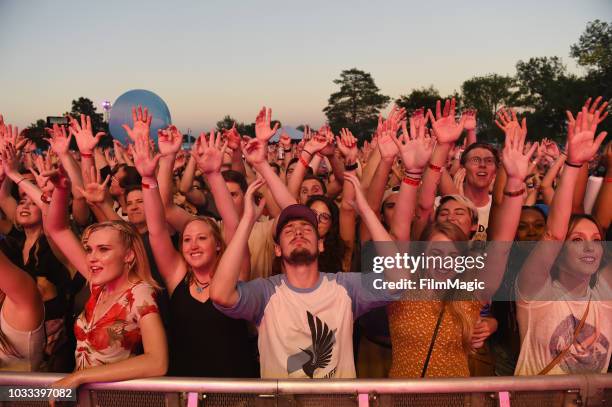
(322, 345)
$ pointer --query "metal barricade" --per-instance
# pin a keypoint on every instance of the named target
(538, 391)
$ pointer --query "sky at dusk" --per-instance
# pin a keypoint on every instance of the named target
(207, 59)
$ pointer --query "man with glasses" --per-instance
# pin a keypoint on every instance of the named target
(480, 161)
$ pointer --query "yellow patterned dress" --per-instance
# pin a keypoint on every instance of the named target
(412, 324)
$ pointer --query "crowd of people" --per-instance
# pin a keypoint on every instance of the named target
(242, 257)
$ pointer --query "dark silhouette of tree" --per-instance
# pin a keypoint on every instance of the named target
(356, 105)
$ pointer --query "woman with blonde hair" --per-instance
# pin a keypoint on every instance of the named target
(433, 334)
(203, 341)
(121, 315)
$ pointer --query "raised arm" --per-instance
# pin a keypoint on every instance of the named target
(255, 154)
(59, 143)
(447, 131)
(505, 218)
(223, 286)
(169, 143)
(415, 148)
(582, 145)
(603, 203)
(56, 224)
(209, 157)
(83, 134)
(169, 262)
(347, 145)
(23, 307)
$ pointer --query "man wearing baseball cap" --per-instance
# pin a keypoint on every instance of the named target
(304, 315)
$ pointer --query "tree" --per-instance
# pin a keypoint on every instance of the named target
(37, 134)
(487, 94)
(594, 48)
(594, 51)
(547, 90)
(419, 98)
(357, 104)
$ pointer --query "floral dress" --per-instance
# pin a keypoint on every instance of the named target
(114, 336)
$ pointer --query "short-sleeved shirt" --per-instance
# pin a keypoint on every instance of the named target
(114, 336)
(547, 328)
(28, 346)
(305, 332)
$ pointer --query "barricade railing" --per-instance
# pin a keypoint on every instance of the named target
(538, 391)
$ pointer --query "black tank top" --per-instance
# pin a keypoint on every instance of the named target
(206, 343)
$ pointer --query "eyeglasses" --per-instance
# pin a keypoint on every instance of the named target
(323, 217)
(489, 161)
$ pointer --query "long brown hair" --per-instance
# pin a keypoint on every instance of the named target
(219, 241)
(574, 219)
(455, 308)
(139, 268)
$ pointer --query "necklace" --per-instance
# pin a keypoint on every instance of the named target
(200, 286)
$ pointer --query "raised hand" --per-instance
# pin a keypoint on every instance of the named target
(330, 148)
(470, 119)
(42, 166)
(263, 131)
(58, 177)
(285, 141)
(361, 203)
(254, 151)
(59, 140)
(347, 144)
(581, 141)
(233, 138)
(10, 160)
(95, 191)
(507, 121)
(145, 159)
(415, 147)
(209, 153)
(253, 210)
(515, 159)
(169, 141)
(446, 128)
(142, 124)
(83, 134)
(592, 109)
(316, 144)
(458, 180)
(386, 133)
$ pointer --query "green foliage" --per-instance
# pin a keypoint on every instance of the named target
(419, 98)
(487, 94)
(356, 105)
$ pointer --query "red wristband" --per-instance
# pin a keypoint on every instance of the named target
(434, 167)
(415, 182)
(304, 163)
(148, 186)
(86, 155)
(608, 179)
